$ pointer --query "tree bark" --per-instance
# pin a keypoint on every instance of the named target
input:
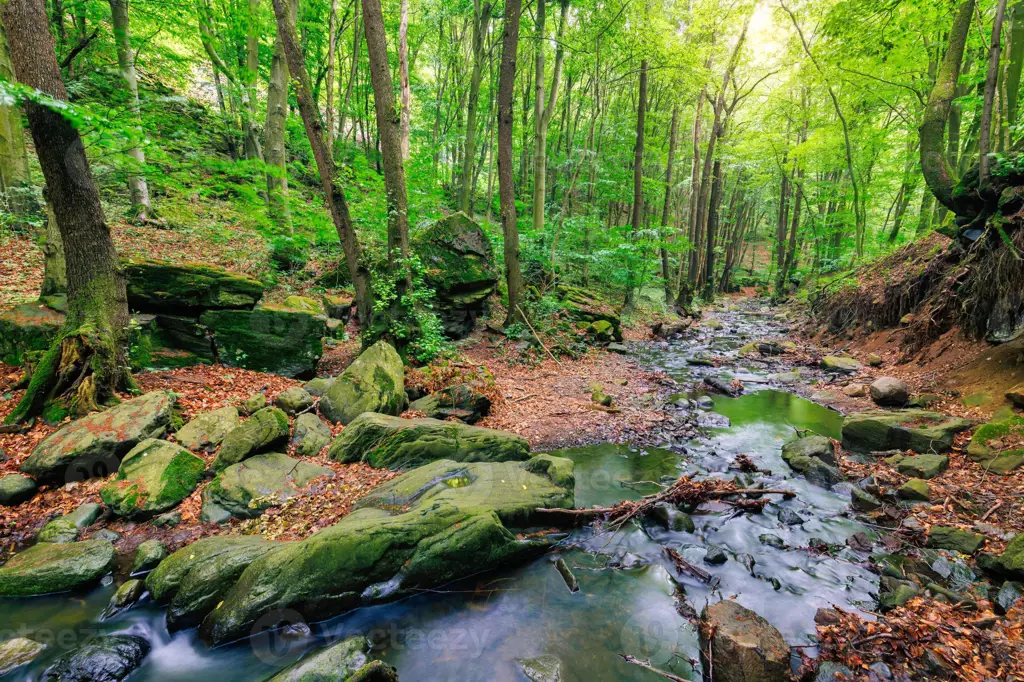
(638, 177)
(389, 136)
(991, 78)
(405, 125)
(334, 195)
(481, 18)
(938, 174)
(126, 62)
(278, 205)
(253, 150)
(88, 362)
(506, 186)
(666, 274)
(542, 111)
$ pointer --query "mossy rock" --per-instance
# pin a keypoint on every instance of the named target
(923, 466)
(384, 441)
(915, 430)
(17, 652)
(601, 331)
(374, 382)
(195, 578)
(559, 470)
(459, 266)
(170, 341)
(302, 303)
(1012, 558)
(264, 430)
(47, 568)
(439, 523)
(987, 449)
(94, 445)
(839, 363)
(587, 307)
(176, 288)
(268, 339)
(337, 307)
(336, 663)
(107, 658)
(209, 429)
(311, 435)
(15, 489)
(68, 527)
(26, 328)
(294, 400)
(148, 556)
(915, 489)
(154, 477)
(811, 446)
(955, 540)
(462, 402)
(247, 489)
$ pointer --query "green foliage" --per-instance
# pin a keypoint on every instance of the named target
(404, 315)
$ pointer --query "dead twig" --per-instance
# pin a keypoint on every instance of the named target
(647, 664)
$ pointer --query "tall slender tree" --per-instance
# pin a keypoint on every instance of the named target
(506, 185)
(126, 62)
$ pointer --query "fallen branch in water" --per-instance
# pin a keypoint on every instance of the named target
(683, 491)
(647, 664)
(684, 566)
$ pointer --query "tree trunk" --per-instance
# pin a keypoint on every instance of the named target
(991, 77)
(506, 188)
(126, 62)
(666, 273)
(14, 174)
(542, 111)
(405, 125)
(691, 270)
(388, 124)
(253, 151)
(88, 362)
(334, 195)
(638, 178)
(55, 278)
(1014, 63)
(332, 48)
(940, 177)
(481, 18)
(278, 205)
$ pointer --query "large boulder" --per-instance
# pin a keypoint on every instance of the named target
(170, 341)
(46, 568)
(384, 441)
(916, 430)
(154, 477)
(459, 266)
(107, 658)
(336, 663)
(587, 307)
(374, 382)
(993, 445)
(463, 402)
(159, 286)
(814, 445)
(27, 327)
(208, 430)
(744, 646)
(264, 430)
(268, 339)
(889, 392)
(195, 578)
(245, 490)
(94, 445)
(428, 527)
(311, 435)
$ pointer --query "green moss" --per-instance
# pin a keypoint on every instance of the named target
(163, 286)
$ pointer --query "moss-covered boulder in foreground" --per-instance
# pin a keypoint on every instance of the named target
(999, 445)
(374, 382)
(46, 568)
(264, 430)
(384, 441)
(587, 307)
(160, 286)
(155, 476)
(432, 525)
(268, 339)
(195, 578)
(916, 430)
(94, 445)
(27, 327)
(459, 266)
(107, 658)
(245, 490)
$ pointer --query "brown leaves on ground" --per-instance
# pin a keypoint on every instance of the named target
(21, 270)
(203, 388)
(927, 640)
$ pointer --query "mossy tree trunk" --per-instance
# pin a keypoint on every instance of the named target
(506, 183)
(88, 362)
(334, 196)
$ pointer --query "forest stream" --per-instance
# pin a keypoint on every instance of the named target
(631, 598)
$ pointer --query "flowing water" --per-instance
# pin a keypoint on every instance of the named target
(631, 596)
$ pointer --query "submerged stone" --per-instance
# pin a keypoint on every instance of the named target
(715, 555)
(374, 382)
(245, 490)
(94, 445)
(154, 477)
(265, 429)
(432, 525)
(126, 596)
(744, 646)
(47, 568)
(108, 658)
(541, 669)
(208, 430)
(384, 441)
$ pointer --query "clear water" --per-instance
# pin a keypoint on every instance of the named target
(629, 592)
